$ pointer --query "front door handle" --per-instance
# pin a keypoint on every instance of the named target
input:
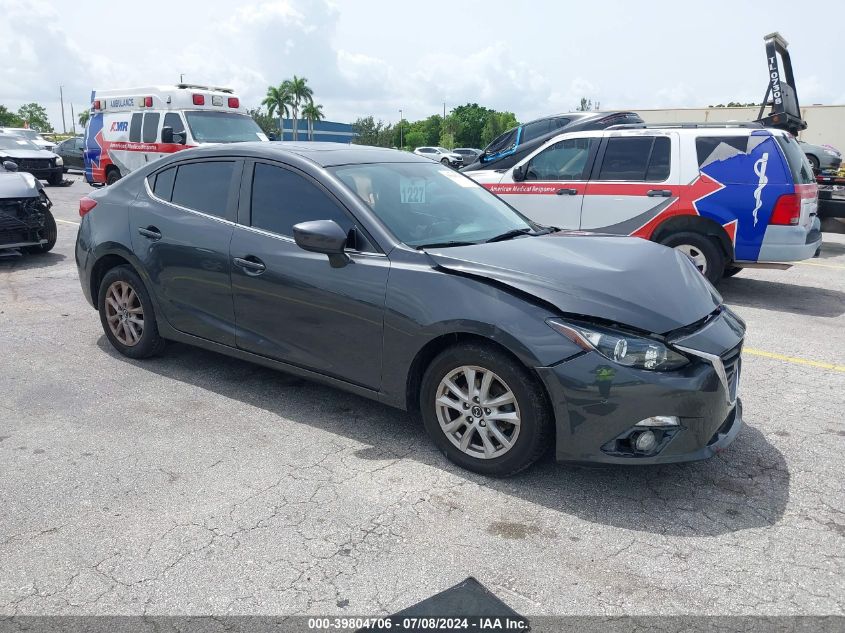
(151, 233)
(659, 193)
(251, 264)
(567, 192)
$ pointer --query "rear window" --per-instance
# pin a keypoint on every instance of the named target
(163, 183)
(150, 131)
(204, 186)
(712, 148)
(637, 158)
(802, 173)
(535, 130)
(135, 128)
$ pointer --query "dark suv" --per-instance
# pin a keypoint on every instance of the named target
(508, 149)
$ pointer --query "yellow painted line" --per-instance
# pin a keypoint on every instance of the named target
(66, 221)
(841, 267)
(793, 359)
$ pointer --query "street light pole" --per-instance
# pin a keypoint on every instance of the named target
(72, 119)
(401, 142)
(62, 101)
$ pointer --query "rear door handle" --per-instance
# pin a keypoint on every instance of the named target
(251, 264)
(659, 193)
(151, 232)
(567, 192)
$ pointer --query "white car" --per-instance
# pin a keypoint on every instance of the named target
(441, 155)
(33, 136)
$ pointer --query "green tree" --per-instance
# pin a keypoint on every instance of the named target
(497, 123)
(9, 119)
(366, 131)
(414, 138)
(301, 94)
(471, 119)
(36, 116)
(265, 121)
(83, 117)
(585, 106)
(312, 112)
(278, 99)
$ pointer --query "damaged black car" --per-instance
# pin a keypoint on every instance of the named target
(382, 273)
(26, 223)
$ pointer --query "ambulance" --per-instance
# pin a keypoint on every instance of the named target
(131, 127)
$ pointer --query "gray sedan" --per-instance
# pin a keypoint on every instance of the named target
(821, 157)
(401, 280)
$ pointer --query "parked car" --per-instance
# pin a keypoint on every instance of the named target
(441, 155)
(509, 148)
(391, 277)
(31, 135)
(728, 196)
(469, 154)
(30, 158)
(821, 157)
(71, 151)
(26, 223)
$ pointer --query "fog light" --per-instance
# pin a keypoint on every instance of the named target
(645, 442)
(660, 421)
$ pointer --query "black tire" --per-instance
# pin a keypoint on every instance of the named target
(730, 271)
(49, 232)
(535, 430)
(149, 343)
(444, 161)
(714, 258)
(814, 162)
(113, 176)
(56, 179)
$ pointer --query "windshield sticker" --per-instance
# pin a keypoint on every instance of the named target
(262, 136)
(457, 178)
(412, 190)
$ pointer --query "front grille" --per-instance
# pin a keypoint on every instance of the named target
(25, 164)
(732, 361)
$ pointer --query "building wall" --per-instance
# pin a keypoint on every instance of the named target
(825, 124)
(328, 131)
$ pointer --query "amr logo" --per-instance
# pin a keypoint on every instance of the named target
(119, 126)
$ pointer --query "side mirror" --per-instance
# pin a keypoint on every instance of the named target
(167, 134)
(9, 165)
(519, 173)
(180, 137)
(323, 236)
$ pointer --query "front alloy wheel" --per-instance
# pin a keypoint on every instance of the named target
(485, 411)
(478, 412)
(127, 314)
(124, 313)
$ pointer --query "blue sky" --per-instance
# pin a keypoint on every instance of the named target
(375, 57)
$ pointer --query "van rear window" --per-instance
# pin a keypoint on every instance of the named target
(802, 173)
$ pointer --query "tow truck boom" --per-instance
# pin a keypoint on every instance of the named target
(784, 113)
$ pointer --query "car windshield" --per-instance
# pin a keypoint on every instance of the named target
(7, 141)
(29, 134)
(223, 127)
(442, 149)
(426, 204)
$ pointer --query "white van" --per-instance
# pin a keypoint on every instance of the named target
(129, 128)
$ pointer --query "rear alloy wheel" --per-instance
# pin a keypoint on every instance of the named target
(703, 252)
(126, 314)
(484, 410)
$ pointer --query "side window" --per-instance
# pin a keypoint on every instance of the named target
(79, 144)
(713, 148)
(565, 160)
(534, 130)
(559, 123)
(163, 184)
(204, 186)
(636, 158)
(150, 133)
(282, 198)
(135, 128)
(173, 120)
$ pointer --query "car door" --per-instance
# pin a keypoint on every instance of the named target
(634, 180)
(75, 148)
(181, 228)
(290, 304)
(554, 181)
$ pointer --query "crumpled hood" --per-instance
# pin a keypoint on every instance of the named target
(25, 153)
(15, 184)
(627, 280)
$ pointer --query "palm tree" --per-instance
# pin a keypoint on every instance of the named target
(83, 117)
(301, 93)
(279, 99)
(312, 112)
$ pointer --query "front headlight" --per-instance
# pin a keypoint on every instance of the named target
(620, 347)
(59, 161)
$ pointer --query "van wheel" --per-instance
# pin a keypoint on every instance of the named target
(484, 410)
(127, 315)
(113, 176)
(706, 255)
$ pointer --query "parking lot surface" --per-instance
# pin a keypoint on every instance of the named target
(193, 483)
